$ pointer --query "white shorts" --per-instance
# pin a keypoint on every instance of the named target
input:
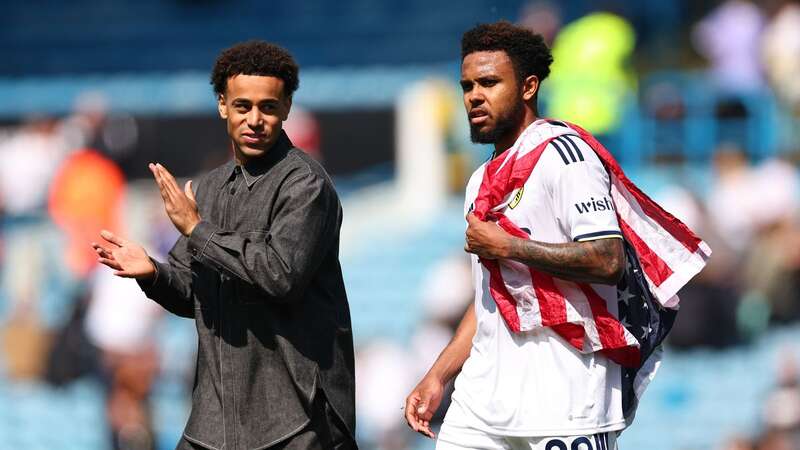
(453, 437)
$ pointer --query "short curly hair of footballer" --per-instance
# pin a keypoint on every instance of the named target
(526, 49)
(255, 58)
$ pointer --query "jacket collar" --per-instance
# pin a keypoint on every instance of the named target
(254, 170)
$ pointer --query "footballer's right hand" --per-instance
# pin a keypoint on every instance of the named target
(128, 259)
(422, 403)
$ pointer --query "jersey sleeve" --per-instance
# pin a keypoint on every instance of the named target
(581, 191)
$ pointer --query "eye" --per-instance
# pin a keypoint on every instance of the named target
(466, 87)
(489, 83)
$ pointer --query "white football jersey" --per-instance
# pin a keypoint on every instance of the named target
(534, 383)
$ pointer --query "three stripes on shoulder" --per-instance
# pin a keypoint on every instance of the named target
(568, 148)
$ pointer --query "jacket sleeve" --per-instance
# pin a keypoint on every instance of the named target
(172, 285)
(279, 262)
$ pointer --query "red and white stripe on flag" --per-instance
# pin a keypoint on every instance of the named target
(669, 253)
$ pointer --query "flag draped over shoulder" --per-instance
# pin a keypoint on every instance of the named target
(663, 255)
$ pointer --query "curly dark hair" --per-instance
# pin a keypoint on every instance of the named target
(526, 49)
(255, 58)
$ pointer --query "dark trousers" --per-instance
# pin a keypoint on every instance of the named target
(325, 432)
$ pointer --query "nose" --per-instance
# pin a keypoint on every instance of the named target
(254, 118)
(475, 97)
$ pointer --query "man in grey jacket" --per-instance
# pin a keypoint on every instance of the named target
(257, 267)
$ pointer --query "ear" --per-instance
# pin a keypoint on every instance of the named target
(222, 107)
(287, 103)
(530, 86)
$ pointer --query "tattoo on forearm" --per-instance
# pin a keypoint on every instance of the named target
(596, 261)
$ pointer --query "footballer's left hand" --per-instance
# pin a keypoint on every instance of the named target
(486, 239)
(180, 204)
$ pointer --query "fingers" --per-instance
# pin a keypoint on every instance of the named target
(410, 409)
(187, 189)
(424, 428)
(423, 411)
(478, 250)
(469, 238)
(112, 238)
(426, 431)
(162, 188)
(472, 218)
(168, 179)
(106, 257)
(423, 417)
(415, 422)
(468, 249)
(102, 251)
(112, 263)
(167, 184)
(124, 274)
(411, 412)
(156, 174)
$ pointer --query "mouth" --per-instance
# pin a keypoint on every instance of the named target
(478, 116)
(253, 138)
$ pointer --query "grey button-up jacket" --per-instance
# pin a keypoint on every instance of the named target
(260, 275)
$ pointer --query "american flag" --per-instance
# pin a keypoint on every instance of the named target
(663, 255)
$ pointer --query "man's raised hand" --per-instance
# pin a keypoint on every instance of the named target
(128, 259)
(180, 204)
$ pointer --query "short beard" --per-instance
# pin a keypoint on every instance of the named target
(505, 124)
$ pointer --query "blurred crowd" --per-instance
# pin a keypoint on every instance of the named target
(61, 182)
(748, 44)
(64, 318)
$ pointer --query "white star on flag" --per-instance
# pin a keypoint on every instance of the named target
(625, 296)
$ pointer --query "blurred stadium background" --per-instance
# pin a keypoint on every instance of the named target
(699, 100)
